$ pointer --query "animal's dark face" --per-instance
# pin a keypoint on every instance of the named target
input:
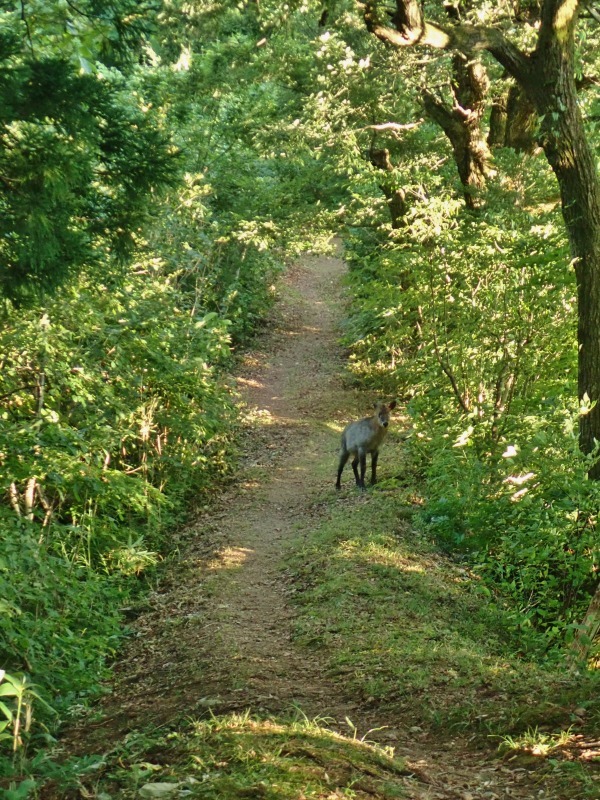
(383, 415)
(382, 412)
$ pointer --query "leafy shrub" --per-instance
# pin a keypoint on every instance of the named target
(116, 415)
(472, 320)
(60, 620)
(527, 518)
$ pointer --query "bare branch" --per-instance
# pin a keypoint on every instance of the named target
(593, 12)
(393, 127)
(78, 10)
(13, 494)
(21, 388)
(29, 498)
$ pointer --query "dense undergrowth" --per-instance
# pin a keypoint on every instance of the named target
(468, 315)
(118, 413)
(417, 634)
(424, 640)
(120, 416)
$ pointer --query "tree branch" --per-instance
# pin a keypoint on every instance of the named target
(593, 12)
(27, 28)
(412, 29)
(13, 494)
(439, 112)
(79, 11)
(394, 127)
(18, 389)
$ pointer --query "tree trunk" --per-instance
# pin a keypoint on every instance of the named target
(461, 123)
(521, 120)
(587, 630)
(396, 198)
(551, 86)
(497, 132)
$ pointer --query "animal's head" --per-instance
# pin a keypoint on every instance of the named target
(382, 413)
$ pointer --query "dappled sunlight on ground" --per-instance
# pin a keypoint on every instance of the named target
(250, 382)
(372, 553)
(240, 756)
(230, 558)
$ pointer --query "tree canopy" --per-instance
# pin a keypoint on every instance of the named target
(79, 152)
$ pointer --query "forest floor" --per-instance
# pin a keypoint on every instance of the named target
(311, 644)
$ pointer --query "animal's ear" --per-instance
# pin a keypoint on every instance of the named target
(392, 405)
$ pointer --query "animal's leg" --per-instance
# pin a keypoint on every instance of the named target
(374, 459)
(344, 456)
(355, 469)
(363, 468)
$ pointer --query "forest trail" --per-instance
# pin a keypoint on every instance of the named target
(229, 648)
(217, 634)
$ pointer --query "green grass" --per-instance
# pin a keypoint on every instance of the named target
(403, 626)
(239, 756)
(536, 742)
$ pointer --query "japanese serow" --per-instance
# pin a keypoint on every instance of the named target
(362, 437)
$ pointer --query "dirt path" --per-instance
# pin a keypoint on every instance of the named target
(217, 634)
(292, 390)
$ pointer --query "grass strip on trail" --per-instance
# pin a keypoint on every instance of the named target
(239, 756)
(404, 626)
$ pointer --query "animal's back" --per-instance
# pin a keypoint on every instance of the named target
(362, 434)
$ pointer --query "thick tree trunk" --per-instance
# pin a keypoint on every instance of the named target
(461, 122)
(513, 121)
(551, 86)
